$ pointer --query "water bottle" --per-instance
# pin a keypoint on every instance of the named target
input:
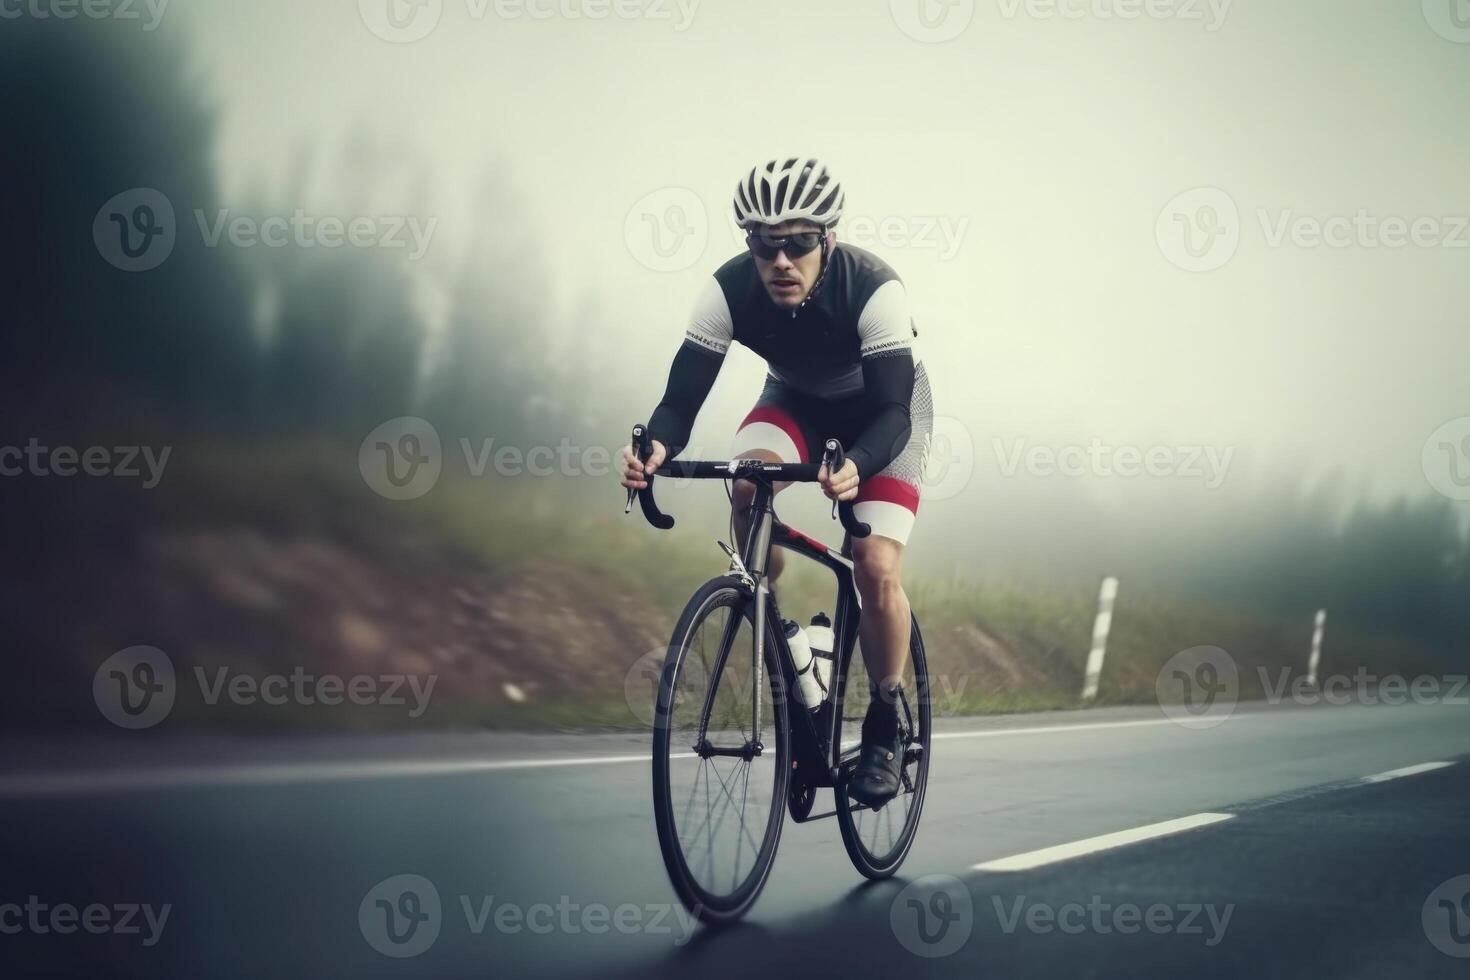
(808, 689)
(820, 639)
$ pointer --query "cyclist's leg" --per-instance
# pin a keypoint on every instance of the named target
(777, 430)
(889, 502)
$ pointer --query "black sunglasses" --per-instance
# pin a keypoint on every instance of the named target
(795, 246)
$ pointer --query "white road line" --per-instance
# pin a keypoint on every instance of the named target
(1065, 852)
(1384, 777)
(58, 783)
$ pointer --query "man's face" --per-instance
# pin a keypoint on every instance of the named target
(789, 280)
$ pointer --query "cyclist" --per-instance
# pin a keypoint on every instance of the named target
(832, 323)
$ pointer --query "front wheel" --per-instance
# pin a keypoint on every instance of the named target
(878, 840)
(721, 755)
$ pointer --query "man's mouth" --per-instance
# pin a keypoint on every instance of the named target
(785, 285)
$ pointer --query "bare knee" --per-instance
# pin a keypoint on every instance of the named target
(878, 568)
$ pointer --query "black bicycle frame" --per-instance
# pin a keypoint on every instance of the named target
(817, 736)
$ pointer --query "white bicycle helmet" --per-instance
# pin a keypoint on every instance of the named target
(789, 190)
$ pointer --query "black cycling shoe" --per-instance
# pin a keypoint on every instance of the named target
(878, 775)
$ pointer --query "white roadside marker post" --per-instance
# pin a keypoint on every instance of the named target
(1316, 657)
(1100, 626)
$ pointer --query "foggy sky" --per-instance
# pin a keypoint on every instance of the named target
(1054, 143)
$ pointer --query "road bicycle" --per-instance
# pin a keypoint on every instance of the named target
(734, 746)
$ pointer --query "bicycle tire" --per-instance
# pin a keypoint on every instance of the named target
(885, 863)
(707, 905)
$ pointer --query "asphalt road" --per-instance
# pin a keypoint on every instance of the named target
(262, 854)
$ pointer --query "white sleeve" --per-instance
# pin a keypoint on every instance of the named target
(885, 326)
(711, 327)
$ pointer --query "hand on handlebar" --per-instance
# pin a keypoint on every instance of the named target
(635, 473)
(843, 485)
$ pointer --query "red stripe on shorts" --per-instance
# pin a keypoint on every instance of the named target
(890, 490)
(783, 421)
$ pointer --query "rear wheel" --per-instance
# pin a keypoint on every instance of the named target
(878, 840)
(721, 755)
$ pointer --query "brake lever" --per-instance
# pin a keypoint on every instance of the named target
(833, 458)
(643, 448)
(640, 437)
